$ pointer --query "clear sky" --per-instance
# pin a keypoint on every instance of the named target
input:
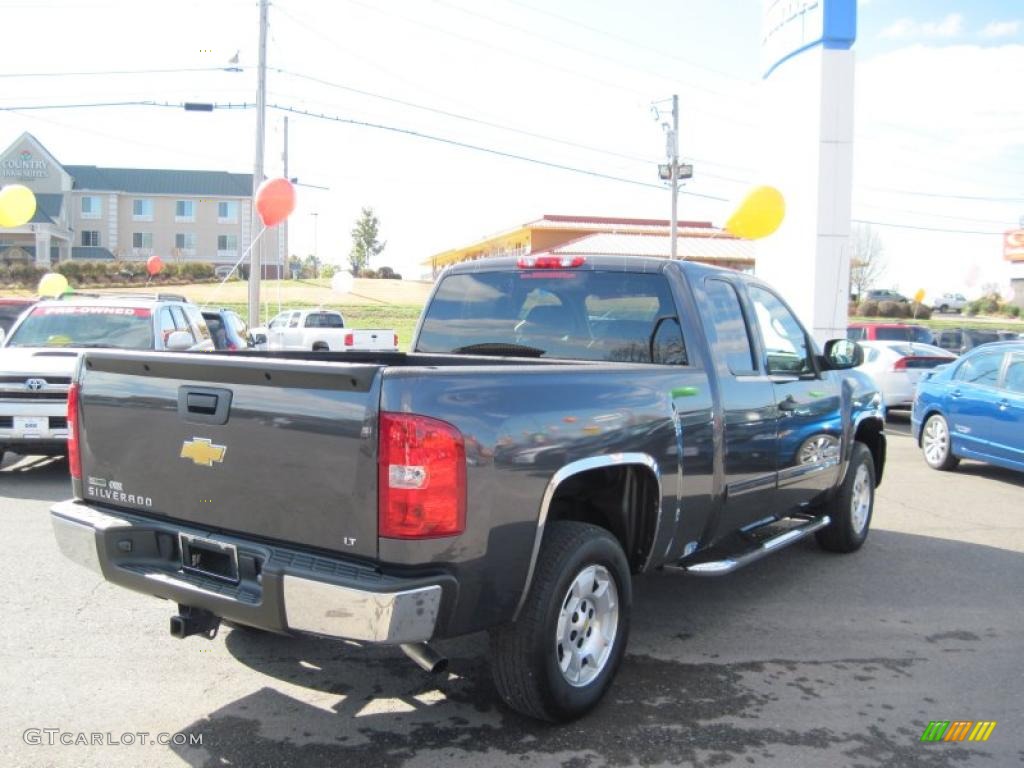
(939, 140)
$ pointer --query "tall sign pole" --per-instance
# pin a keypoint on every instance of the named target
(674, 160)
(255, 265)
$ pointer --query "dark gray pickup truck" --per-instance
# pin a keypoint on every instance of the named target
(562, 424)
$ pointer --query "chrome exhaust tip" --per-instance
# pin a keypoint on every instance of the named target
(425, 657)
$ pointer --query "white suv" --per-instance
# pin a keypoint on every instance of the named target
(38, 356)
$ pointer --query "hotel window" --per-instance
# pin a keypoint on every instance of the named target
(227, 212)
(142, 240)
(227, 243)
(91, 208)
(90, 237)
(184, 210)
(142, 209)
(186, 243)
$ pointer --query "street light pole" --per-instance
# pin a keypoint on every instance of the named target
(255, 265)
(316, 249)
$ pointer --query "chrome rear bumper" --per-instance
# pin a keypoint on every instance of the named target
(278, 589)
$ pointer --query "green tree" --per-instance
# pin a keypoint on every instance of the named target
(365, 244)
(312, 265)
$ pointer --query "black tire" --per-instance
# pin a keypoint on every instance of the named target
(850, 525)
(944, 309)
(937, 444)
(525, 654)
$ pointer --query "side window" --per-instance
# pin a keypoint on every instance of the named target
(668, 347)
(785, 340)
(981, 369)
(280, 321)
(181, 323)
(732, 337)
(198, 322)
(294, 321)
(1015, 374)
(165, 323)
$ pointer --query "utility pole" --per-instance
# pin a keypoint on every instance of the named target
(282, 246)
(673, 152)
(255, 262)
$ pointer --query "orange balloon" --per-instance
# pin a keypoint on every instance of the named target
(154, 265)
(275, 201)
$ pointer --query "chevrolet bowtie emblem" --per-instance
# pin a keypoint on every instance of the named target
(202, 451)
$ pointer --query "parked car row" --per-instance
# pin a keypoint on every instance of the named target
(41, 342)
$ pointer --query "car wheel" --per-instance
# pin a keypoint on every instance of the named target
(556, 661)
(852, 507)
(937, 444)
(944, 309)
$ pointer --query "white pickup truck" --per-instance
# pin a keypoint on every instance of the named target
(322, 330)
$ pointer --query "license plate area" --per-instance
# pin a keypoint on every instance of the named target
(31, 424)
(209, 558)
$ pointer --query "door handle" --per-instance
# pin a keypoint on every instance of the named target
(1004, 404)
(196, 402)
(956, 393)
(788, 404)
(204, 405)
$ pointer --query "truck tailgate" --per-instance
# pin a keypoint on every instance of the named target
(278, 449)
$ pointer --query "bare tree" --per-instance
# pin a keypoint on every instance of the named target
(867, 264)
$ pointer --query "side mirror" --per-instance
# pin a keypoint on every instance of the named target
(842, 354)
(258, 338)
(179, 341)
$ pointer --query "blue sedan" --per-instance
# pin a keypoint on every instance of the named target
(973, 409)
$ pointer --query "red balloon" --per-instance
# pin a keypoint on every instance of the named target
(275, 201)
(154, 265)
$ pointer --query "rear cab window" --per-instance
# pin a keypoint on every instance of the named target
(610, 316)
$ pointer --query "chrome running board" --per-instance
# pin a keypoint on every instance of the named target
(730, 564)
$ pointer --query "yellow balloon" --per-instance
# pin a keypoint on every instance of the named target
(758, 215)
(17, 205)
(53, 284)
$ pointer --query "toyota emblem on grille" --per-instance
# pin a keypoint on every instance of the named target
(35, 384)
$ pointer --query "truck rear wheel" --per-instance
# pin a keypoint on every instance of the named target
(557, 660)
(853, 506)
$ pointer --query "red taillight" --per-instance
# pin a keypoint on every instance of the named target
(396, 341)
(350, 339)
(550, 262)
(74, 456)
(232, 346)
(900, 365)
(421, 478)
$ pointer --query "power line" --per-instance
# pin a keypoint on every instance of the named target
(487, 150)
(562, 43)
(175, 71)
(627, 41)
(924, 229)
(918, 193)
(928, 214)
(467, 118)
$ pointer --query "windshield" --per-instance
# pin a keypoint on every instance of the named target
(579, 315)
(122, 327)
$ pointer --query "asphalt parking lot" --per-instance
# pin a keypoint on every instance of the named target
(802, 659)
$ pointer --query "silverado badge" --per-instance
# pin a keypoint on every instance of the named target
(202, 451)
